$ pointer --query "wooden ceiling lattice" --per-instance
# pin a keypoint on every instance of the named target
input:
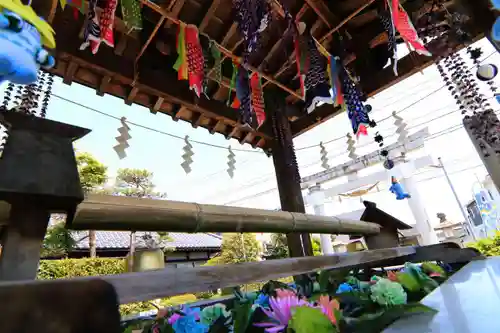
(139, 68)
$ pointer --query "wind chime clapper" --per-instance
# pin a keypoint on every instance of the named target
(122, 139)
(324, 156)
(351, 148)
(187, 156)
(231, 162)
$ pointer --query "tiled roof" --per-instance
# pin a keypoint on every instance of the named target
(121, 240)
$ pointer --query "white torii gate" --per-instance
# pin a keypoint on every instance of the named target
(403, 170)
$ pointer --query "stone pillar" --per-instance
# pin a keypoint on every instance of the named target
(316, 198)
(423, 225)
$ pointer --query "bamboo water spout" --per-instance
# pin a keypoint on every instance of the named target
(102, 212)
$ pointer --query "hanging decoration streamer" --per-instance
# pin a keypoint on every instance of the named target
(92, 29)
(131, 14)
(351, 148)
(258, 106)
(122, 139)
(216, 54)
(231, 162)
(207, 61)
(232, 85)
(187, 156)
(388, 24)
(181, 64)
(333, 75)
(107, 23)
(301, 60)
(316, 82)
(195, 59)
(253, 17)
(358, 193)
(356, 111)
(244, 98)
(324, 156)
(406, 29)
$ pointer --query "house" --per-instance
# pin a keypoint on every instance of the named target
(184, 250)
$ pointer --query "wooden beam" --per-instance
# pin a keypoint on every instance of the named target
(70, 72)
(175, 11)
(208, 16)
(106, 79)
(130, 97)
(150, 38)
(144, 286)
(162, 84)
(157, 106)
(323, 12)
(195, 121)
(122, 44)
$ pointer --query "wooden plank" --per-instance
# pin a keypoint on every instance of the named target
(158, 104)
(102, 87)
(122, 44)
(70, 72)
(131, 95)
(103, 212)
(134, 287)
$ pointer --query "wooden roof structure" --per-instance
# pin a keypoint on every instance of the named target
(139, 68)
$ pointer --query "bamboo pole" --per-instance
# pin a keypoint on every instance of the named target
(226, 52)
(103, 212)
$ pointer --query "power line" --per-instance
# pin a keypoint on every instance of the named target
(431, 137)
(153, 129)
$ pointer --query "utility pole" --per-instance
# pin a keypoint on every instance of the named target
(462, 209)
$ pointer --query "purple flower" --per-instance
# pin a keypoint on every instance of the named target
(280, 312)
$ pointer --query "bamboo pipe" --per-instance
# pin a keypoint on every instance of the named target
(103, 212)
(226, 52)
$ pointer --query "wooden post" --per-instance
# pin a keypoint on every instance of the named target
(287, 171)
(22, 241)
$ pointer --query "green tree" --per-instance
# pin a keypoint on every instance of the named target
(488, 246)
(278, 247)
(93, 174)
(138, 183)
(237, 248)
(58, 240)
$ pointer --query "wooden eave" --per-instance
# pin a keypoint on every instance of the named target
(139, 68)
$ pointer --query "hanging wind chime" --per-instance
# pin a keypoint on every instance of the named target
(26, 99)
(187, 156)
(122, 139)
(231, 162)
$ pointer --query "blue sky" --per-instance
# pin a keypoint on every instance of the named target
(254, 183)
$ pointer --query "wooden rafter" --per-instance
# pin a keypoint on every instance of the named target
(227, 52)
(208, 16)
(150, 38)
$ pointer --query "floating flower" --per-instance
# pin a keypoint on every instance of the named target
(173, 318)
(344, 288)
(392, 276)
(211, 313)
(280, 311)
(262, 300)
(386, 292)
(328, 307)
(280, 293)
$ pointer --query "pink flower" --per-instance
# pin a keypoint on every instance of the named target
(173, 318)
(328, 306)
(280, 311)
(280, 293)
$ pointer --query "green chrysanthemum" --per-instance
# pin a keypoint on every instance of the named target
(211, 313)
(388, 293)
